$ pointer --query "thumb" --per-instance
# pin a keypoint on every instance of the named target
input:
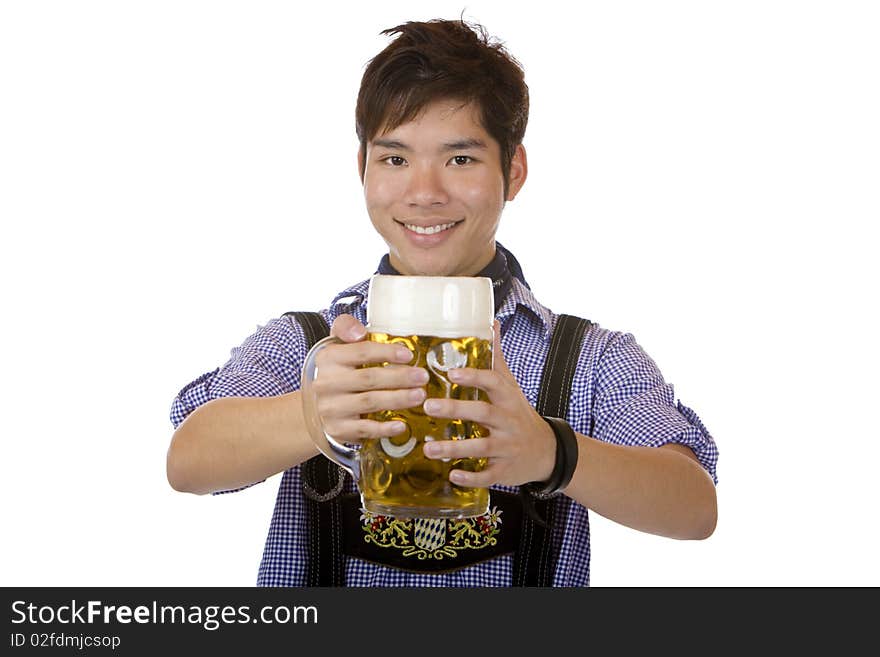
(348, 328)
(499, 364)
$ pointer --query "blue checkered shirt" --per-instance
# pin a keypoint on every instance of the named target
(618, 395)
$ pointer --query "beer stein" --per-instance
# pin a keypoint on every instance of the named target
(447, 322)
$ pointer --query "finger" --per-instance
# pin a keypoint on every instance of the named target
(470, 448)
(364, 352)
(348, 328)
(390, 377)
(354, 430)
(489, 381)
(482, 479)
(475, 411)
(348, 405)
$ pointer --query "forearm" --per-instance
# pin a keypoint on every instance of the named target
(234, 441)
(656, 490)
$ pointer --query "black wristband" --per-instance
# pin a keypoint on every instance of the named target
(566, 460)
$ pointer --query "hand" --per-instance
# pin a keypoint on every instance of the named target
(521, 446)
(344, 390)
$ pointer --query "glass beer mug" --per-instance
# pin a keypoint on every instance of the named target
(447, 322)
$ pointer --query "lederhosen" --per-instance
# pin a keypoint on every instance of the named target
(338, 526)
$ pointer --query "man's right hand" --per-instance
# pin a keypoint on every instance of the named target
(345, 390)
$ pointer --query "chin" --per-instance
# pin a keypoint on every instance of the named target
(430, 266)
(430, 271)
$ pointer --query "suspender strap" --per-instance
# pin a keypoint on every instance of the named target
(534, 562)
(313, 325)
(565, 349)
(322, 481)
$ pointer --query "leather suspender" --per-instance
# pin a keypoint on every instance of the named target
(323, 480)
(534, 562)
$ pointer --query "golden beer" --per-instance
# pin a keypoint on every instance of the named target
(395, 476)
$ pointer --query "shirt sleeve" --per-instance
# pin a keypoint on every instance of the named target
(635, 406)
(266, 364)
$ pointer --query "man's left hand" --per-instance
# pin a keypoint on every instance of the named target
(521, 446)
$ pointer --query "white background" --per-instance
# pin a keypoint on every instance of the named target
(702, 174)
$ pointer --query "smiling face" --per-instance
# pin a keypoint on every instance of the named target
(434, 191)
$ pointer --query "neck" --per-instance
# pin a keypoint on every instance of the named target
(473, 269)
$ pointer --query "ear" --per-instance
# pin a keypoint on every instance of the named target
(519, 171)
(361, 163)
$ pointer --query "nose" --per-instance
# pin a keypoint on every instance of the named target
(426, 187)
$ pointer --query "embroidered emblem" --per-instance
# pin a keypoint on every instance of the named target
(431, 538)
(429, 533)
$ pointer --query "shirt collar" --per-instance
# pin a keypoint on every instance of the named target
(521, 296)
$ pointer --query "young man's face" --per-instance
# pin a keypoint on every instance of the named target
(435, 191)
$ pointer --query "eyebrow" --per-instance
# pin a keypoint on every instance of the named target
(466, 143)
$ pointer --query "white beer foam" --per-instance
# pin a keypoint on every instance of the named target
(443, 306)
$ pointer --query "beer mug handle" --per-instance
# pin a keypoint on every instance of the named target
(345, 456)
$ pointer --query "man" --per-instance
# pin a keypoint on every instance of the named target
(441, 116)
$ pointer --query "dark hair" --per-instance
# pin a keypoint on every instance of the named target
(442, 59)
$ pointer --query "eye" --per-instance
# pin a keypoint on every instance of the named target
(461, 160)
(394, 160)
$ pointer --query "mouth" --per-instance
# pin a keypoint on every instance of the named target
(433, 229)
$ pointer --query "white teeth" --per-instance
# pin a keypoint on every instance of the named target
(429, 230)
